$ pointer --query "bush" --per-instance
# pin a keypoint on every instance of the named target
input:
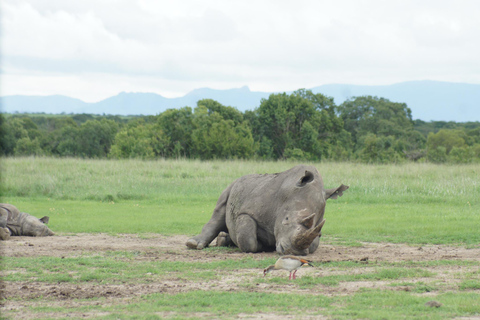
(295, 154)
(437, 155)
(461, 155)
(26, 147)
(447, 139)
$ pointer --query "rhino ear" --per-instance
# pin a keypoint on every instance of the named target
(335, 192)
(45, 220)
(307, 178)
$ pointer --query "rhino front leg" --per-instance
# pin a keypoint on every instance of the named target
(4, 233)
(214, 226)
(246, 234)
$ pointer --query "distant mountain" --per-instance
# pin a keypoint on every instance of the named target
(47, 104)
(429, 100)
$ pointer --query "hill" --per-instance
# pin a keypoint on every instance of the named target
(429, 100)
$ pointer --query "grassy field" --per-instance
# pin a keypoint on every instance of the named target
(413, 204)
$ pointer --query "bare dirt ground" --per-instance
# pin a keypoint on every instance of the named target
(18, 297)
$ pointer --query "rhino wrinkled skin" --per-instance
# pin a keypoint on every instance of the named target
(282, 212)
(16, 223)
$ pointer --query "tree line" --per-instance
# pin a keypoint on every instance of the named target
(298, 126)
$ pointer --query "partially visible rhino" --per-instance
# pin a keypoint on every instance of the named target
(282, 212)
(16, 223)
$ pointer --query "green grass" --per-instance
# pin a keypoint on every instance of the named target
(370, 304)
(77, 216)
(120, 268)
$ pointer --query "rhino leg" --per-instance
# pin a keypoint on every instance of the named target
(224, 240)
(4, 233)
(246, 233)
(3, 217)
(214, 226)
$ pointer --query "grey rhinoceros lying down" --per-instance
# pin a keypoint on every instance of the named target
(16, 223)
(266, 212)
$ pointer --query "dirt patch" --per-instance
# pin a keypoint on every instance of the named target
(20, 296)
(174, 247)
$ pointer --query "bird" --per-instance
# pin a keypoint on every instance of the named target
(289, 263)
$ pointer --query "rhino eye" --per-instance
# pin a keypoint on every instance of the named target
(286, 218)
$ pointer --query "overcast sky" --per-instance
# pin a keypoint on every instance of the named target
(93, 49)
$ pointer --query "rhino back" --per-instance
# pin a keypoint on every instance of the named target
(249, 194)
(14, 220)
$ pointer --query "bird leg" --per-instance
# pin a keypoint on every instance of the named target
(294, 276)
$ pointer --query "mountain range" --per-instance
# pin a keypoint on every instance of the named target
(428, 100)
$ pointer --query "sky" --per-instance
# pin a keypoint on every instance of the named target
(94, 49)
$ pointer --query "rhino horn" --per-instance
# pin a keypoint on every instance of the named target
(303, 240)
(308, 221)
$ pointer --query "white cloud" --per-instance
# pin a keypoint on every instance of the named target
(92, 49)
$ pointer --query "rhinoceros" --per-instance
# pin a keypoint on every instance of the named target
(16, 223)
(266, 212)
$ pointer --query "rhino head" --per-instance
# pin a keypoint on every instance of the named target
(299, 219)
(35, 227)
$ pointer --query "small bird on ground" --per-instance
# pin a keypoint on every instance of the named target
(289, 263)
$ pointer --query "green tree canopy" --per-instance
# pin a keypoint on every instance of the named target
(364, 115)
(301, 120)
(139, 140)
(177, 126)
(220, 132)
(447, 139)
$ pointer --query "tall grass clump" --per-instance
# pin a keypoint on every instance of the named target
(110, 180)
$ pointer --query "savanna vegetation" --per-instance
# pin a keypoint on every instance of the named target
(298, 126)
(155, 205)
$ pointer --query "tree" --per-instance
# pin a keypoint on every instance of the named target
(226, 112)
(177, 126)
(461, 155)
(447, 139)
(364, 115)
(96, 138)
(437, 155)
(302, 120)
(13, 131)
(139, 140)
(215, 136)
(389, 122)
(27, 147)
(63, 138)
(2, 134)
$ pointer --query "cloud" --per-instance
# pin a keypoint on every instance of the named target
(176, 46)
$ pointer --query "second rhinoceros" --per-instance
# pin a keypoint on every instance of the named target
(16, 223)
(282, 212)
